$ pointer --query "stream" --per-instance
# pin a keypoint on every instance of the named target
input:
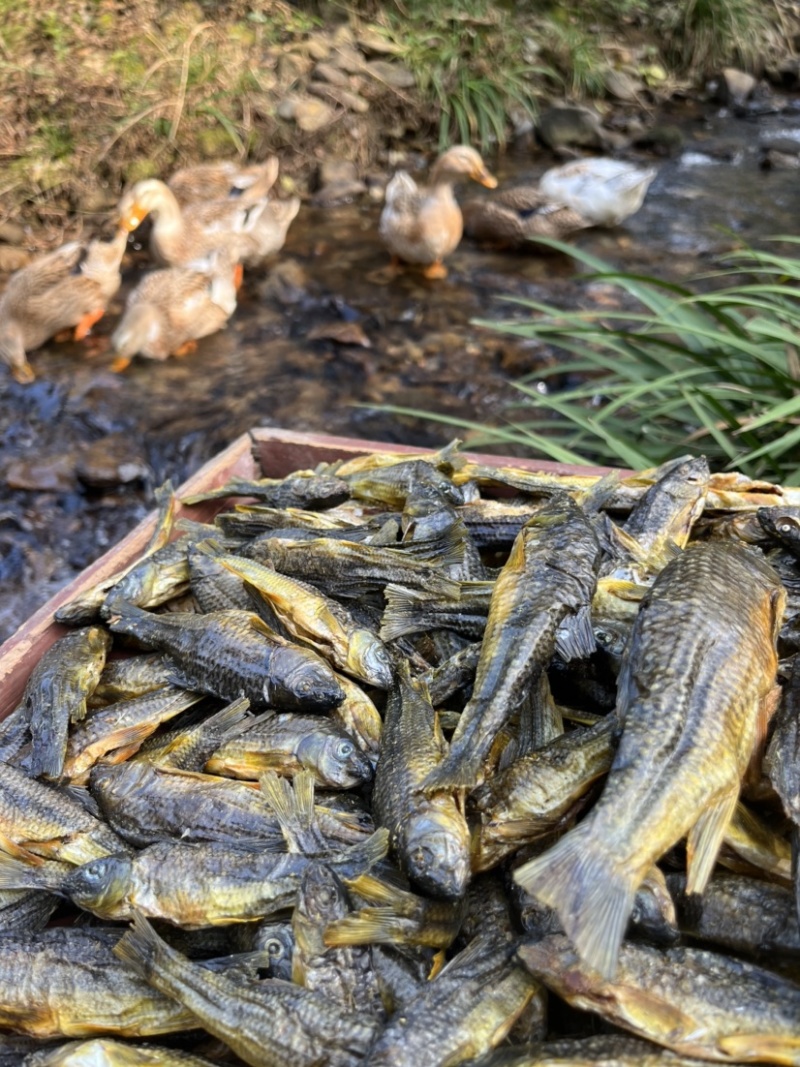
(83, 448)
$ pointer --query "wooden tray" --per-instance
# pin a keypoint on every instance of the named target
(280, 452)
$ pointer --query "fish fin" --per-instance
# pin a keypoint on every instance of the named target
(761, 1047)
(19, 852)
(84, 798)
(165, 520)
(592, 894)
(141, 947)
(402, 614)
(437, 964)
(705, 838)
(360, 858)
(575, 637)
(294, 809)
(795, 840)
(454, 772)
(370, 926)
(591, 500)
(16, 874)
(375, 891)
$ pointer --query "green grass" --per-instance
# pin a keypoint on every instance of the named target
(468, 63)
(704, 35)
(711, 368)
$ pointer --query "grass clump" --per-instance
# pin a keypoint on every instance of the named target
(468, 63)
(704, 35)
(715, 372)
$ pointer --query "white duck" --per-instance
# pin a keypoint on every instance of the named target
(604, 191)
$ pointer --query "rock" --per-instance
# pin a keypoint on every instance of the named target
(732, 86)
(12, 233)
(372, 42)
(394, 75)
(349, 101)
(565, 126)
(623, 86)
(348, 59)
(336, 193)
(326, 72)
(309, 113)
(292, 67)
(44, 474)
(111, 461)
(318, 46)
(337, 170)
(344, 333)
(12, 259)
(661, 140)
(286, 108)
(287, 283)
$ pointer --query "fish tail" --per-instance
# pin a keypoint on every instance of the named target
(360, 858)
(141, 948)
(16, 874)
(456, 771)
(591, 892)
(293, 807)
(367, 927)
(402, 614)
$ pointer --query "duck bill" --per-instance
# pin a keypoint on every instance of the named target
(485, 178)
(131, 219)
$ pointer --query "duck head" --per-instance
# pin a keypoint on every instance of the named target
(462, 161)
(146, 197)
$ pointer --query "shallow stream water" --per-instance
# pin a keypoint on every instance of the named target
(413, 344)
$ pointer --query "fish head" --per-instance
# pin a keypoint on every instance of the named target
(313, 683)
(368, 658)
(277, 941)
(101, 885)
(437, 854)
(322, 896)
(782, 523)
(335, 759)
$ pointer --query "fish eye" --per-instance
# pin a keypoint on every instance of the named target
(93, 872)
(274, 948)
(786, 526)
(344, 749)
(328, 896)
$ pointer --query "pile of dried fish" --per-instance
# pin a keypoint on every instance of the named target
(414, 761)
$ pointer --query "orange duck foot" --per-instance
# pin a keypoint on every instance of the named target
(186, 348)
(238, 274)
(435, 270)
(120, 364)
(86, 323)
(63, 335)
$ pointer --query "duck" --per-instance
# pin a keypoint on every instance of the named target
(604, 191)
(172, 308)
(67, 289)
(183, 236)
(513, 216)
(424, 225)
(224, 180)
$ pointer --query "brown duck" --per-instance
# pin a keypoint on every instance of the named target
(183, 236)
(223, 180)
(171, 309)
(424, 225)
(514, 216)
(70, 287)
